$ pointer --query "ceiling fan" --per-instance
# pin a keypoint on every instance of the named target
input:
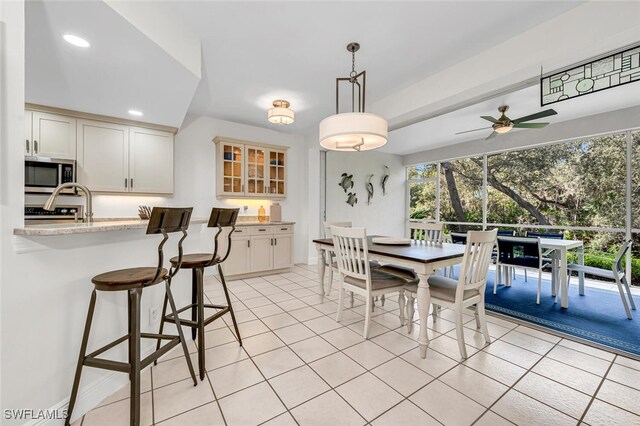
(504, 124)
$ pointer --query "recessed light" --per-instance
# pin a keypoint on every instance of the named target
(75, 40)
(135, 112)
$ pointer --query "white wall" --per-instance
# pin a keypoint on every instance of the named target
(195, 173)
(386, 214)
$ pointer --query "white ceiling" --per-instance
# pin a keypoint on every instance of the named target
(255, 52)
(440, 131)
(122, 70)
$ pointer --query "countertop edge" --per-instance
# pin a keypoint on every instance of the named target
(108, 226)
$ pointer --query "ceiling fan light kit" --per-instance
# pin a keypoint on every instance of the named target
(281, 113)
(355, 130)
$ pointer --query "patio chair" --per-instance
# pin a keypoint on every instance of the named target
(458, 237)
(520, 252)
(468, 290)
(356, 275)
(616, 273)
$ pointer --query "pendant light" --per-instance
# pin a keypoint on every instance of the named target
(355, 130)
(281, 113)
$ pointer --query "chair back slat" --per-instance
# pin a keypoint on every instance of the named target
(506, 233)
(352, 253)
(520, 251)
(617, 264)
(328, 225)
(424, 231)
(475, 263)
(167, 220)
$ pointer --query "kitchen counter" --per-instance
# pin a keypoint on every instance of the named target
(107, 225)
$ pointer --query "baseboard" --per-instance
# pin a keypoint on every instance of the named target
(91, 395)
(256, 274)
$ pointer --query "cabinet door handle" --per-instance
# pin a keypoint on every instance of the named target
(131, 183)
(27, 145)
(275, 241)
(249, 243)
(242, 188)
(126, 183)
(35, 147)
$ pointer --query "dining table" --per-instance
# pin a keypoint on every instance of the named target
(423, 257)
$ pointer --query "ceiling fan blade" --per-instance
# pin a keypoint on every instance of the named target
(530, 125)
(492, 135)
(489, 118)
(535, 116)
(474, 130)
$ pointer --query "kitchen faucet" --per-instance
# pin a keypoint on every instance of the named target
(51, 201)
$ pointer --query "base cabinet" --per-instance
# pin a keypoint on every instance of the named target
(259, 249)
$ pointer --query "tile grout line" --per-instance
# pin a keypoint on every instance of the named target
(593, 398)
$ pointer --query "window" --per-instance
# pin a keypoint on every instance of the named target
(461, 190)
(422, 194)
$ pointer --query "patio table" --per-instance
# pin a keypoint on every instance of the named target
(561, 249)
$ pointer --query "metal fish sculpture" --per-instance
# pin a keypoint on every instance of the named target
(385, 178)
(346, 182)
(351, 199)
(369, 189)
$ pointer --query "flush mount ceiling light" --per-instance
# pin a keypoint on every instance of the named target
(75, 40)
(281, 113)
(135, 112)
(353, 130)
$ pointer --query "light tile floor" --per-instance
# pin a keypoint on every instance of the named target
(298, 366)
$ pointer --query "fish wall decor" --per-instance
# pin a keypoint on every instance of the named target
(369, 189)
(385, 178)
(346, 182)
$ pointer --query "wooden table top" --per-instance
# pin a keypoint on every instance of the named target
(416, 252)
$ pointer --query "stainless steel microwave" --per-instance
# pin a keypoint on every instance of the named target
(42, 175)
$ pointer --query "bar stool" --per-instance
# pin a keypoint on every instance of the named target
(162, 221)
(220, 218)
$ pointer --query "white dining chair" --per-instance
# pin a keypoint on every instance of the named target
(616, 273)
(425, 232)
(330, 257)
(356, 275)
(468, 290)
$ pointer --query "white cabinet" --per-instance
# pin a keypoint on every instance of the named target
(250, 170)
(256, 250)
(50, 135)
(119, 158)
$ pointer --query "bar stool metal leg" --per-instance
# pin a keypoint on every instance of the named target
(134, 354)
(169, 296)
(200, 301)
(83, 352)
(194, 300)
(226, 295)
(162, 317)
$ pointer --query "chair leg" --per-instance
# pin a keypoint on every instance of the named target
(340, 302)
(83, 352)
(477, 317)
(226, 295)
(624, 299)
(483, 321)
(163, 314)
(352, 300)
(328, 291)
(401, 302)
(200, 302)
(367, 318)
(460, 332)
(134, 355)
(525, 275)
(410, 311)
(382, 301)
(626, 284)
(183, 342)
(434, 312)
(194, 301)
(373, 304)
(498, 278)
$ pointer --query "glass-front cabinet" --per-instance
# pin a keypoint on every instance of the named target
(250, 170)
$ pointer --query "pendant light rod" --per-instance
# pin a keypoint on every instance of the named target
(353, 79)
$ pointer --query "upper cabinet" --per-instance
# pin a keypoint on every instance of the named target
(249, 169)
(119, 158)
(50, 135)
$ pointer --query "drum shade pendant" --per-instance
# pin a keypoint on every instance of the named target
(280, 113)
(355, 130)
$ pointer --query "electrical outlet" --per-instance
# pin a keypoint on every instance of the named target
(153, 315)
(245, 208)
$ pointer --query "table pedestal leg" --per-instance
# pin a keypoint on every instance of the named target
(424, 301)
(401, 306)
(321, 254)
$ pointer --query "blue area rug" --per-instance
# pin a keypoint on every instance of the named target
(597, 316)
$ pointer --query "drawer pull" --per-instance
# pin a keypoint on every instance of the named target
(284, 229)
(262, 229)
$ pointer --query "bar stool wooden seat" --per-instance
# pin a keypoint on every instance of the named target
(133, 280)
(197, 262)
